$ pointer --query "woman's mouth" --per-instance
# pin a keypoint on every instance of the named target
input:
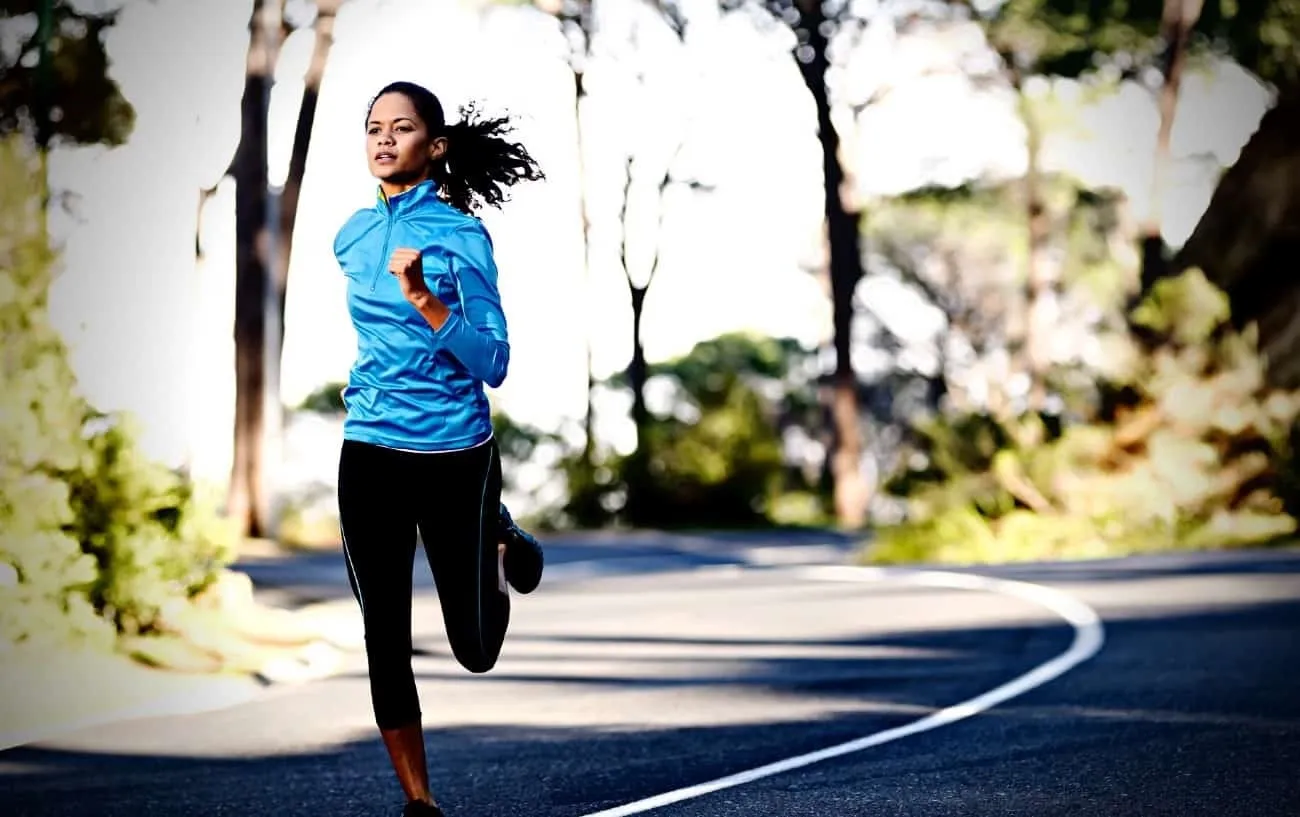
(385, 157)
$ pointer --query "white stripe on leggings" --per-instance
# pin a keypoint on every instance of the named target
(482, 502)
(356, 578)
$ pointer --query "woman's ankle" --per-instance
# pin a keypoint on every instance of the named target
(405, 747)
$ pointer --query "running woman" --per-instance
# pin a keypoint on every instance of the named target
(418, 450)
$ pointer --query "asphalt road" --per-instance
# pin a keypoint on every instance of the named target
(688, 668)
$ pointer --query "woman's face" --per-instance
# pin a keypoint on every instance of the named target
(398, 147)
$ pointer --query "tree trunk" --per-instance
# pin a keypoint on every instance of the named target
(1175, 27)
(44, 124)
(638, 370)
(577, 22)
(851, 492)
(589, 417)
(1248, 239)
(326, 10)
(246, 503)
(639, 508)
(1038, 277)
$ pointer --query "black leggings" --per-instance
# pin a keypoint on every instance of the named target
(453, 500)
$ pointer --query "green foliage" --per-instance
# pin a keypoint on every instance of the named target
(87, 106)
(1074, 38)
(1262, 37)
(153, 539)
(1187, 309)
(970, 228)
(963, 251)
(595, 491)
(93, 537)
(956, 243)
(517, 441)
(1194, 451)
(1065, 37)
(328, 399)
(721, 468)
(716, 460)
(1070, 37)
(46, 575)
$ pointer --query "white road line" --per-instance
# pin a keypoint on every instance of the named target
(1088, 639)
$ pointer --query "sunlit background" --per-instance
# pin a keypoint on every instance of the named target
(724, 212)
(150, 328)
(808, 282)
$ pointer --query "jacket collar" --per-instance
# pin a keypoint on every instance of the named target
(407, 200)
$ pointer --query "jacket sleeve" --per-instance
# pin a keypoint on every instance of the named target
(478, 339)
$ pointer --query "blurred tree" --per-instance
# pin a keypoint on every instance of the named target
(1042, 39)
(322, 23)
(264, 226)
(814, 24)
(717, 459)
(1261, 36)
(1194, 454)
(95, 535)
(639, 474)
(247, 502)
(1247, 239)
(1176, 22)
(578, 22)
(54, 82)
(578, 26)
(44, 573)
(1125, 39)
(715, 451)
(961, 251)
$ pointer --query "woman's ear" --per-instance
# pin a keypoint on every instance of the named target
(437, 148)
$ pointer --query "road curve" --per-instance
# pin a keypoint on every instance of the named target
(616, 689)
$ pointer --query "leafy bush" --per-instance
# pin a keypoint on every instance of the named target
(716, 459)
(1194, 450)
(328, 399)
(152, 537)
(92, 537)
(46, 575)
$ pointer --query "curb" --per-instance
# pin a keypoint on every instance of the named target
(226, 692)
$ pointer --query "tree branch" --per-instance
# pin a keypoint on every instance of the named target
(671, 14)
(205, 194)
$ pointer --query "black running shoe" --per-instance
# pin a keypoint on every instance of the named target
(417, 809)
(524, 558)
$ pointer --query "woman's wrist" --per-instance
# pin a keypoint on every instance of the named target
(433, 310)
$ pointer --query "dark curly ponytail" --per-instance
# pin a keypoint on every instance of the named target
(480, 162)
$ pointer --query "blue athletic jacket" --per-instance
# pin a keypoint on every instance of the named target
(413, 388)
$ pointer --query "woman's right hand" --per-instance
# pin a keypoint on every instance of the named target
(408, 267)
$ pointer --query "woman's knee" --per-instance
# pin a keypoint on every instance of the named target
(477, 659)
(476, 633)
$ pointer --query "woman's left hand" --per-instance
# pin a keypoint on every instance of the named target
(407, 266)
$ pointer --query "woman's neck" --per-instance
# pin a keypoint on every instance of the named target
(397, 187)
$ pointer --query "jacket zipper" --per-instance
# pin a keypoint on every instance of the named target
(383, 257)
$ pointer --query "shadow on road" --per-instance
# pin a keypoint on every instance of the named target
(296, 578)
(1186, 714)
